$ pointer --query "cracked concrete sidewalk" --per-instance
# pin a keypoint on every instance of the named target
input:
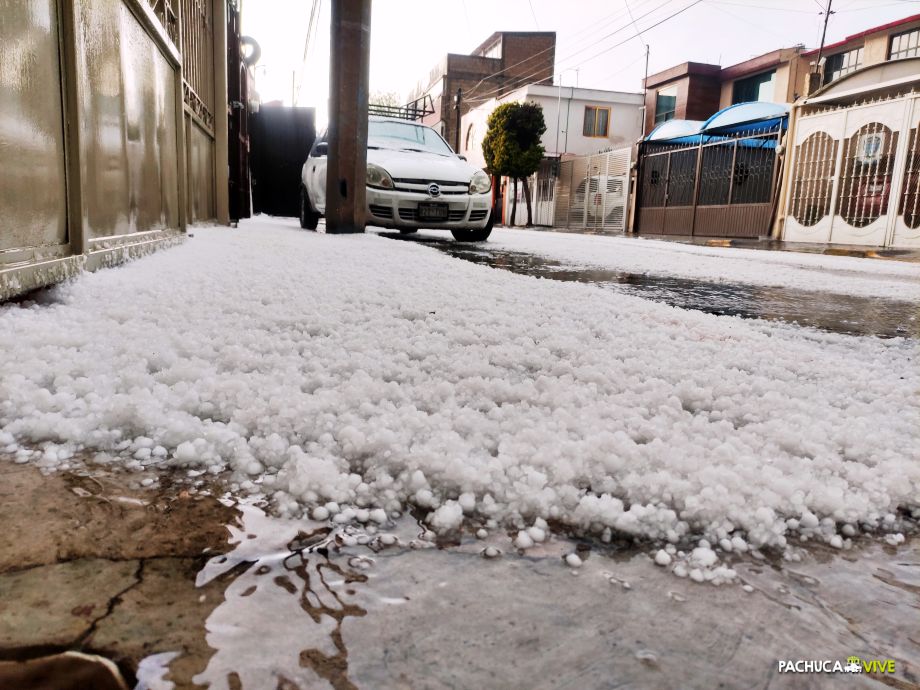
(92, 565)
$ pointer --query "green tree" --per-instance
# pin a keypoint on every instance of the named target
(512, 147)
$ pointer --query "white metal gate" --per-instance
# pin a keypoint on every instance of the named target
(593, 192)
(854, 175)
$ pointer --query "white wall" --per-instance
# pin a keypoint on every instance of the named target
(624, 129)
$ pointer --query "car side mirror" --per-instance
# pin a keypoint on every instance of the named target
(463, 158)
(321, 149)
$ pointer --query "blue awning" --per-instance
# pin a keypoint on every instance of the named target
(742, 117)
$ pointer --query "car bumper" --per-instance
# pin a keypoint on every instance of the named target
(399, 209)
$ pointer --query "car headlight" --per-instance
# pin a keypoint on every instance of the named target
(378, 177)
(480, 183)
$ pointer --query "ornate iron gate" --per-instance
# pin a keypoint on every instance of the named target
(855, 175)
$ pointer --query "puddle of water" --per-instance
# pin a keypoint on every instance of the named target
(312, 606)
(838, 313)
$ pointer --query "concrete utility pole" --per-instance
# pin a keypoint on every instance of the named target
(815, 78)
(349, 62)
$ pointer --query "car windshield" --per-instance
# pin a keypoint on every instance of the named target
(388, 134)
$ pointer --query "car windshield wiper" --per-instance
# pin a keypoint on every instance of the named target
(423, 151)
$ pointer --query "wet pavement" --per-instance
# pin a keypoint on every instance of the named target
(190, 591)
(834, 312)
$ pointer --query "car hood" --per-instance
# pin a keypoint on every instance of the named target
(421, 166)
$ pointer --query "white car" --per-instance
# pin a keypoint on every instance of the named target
(414, 180)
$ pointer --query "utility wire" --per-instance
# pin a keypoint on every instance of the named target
(518, 81)
(586, 31)
(486, 96)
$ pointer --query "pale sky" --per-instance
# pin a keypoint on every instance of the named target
(409, 37)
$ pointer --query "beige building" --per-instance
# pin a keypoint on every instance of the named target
(892, 41)
(112, 123)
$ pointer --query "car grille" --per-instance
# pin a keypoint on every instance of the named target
(381, 211)
(448, 187)
(478, 215)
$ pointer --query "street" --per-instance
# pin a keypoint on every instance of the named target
(549, 460)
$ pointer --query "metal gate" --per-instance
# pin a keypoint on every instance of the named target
(592, 192)
(714, 185)
(854, 175)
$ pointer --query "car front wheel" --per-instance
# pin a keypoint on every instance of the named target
(309, 218)
(477, 235)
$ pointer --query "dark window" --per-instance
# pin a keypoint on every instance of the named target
(756, 88)
(904, 45)
(597, 121)
(835, 66)
(665, 104)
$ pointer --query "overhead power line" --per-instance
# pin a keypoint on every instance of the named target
(490, 94)
(518, 81)
(586, 31)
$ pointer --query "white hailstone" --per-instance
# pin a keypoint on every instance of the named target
(523, 540)
(541, 523)
(680, 570)
(738, 544)
(836, 541)
(663, 558)
(703, 556)
(894, 539)
(148, 481)
(573, 560)
(467, 501)
(481, 533)
(362, 515)
(388, 539)
(378, 515)
(747, 588)
(725, 544)
(491, 552)
(537, 534)
(848, 530)
(321, 513)
(697, 575)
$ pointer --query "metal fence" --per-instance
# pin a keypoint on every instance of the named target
(590, 192)
(719, 186)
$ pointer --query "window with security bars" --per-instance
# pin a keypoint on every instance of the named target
(812, 178)
(835, 66)
(865, 180)
(904, 45)
(597, 121)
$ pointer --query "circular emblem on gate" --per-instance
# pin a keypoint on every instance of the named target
(434, 189)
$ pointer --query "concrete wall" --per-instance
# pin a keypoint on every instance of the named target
(563, 116)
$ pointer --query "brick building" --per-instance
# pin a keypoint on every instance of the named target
(694, 90)
(504, 62)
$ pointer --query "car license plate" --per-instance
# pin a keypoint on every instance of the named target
(432, 211)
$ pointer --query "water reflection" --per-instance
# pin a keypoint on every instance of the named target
(838, 313)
